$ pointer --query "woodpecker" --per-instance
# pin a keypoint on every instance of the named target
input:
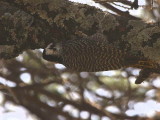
(93, 55)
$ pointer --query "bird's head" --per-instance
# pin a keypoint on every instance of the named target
(53, 53)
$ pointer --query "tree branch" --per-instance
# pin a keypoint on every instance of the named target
(33, 25)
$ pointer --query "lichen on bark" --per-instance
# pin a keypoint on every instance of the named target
(34, 24)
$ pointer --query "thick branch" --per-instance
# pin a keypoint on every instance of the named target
(32, 25)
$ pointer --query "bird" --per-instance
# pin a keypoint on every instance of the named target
(95, 54)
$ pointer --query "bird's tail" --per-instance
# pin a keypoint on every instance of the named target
(147, 67)
(145, 74)
(141, 63)
(149, 64)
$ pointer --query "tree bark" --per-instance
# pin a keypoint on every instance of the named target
(34, 24)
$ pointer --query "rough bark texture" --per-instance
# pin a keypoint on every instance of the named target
(34, 24)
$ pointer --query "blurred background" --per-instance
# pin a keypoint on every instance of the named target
(34, 89)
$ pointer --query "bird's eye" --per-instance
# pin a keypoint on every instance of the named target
(54, 49)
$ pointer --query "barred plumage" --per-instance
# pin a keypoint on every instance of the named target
(83, 55)
(94, 54)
